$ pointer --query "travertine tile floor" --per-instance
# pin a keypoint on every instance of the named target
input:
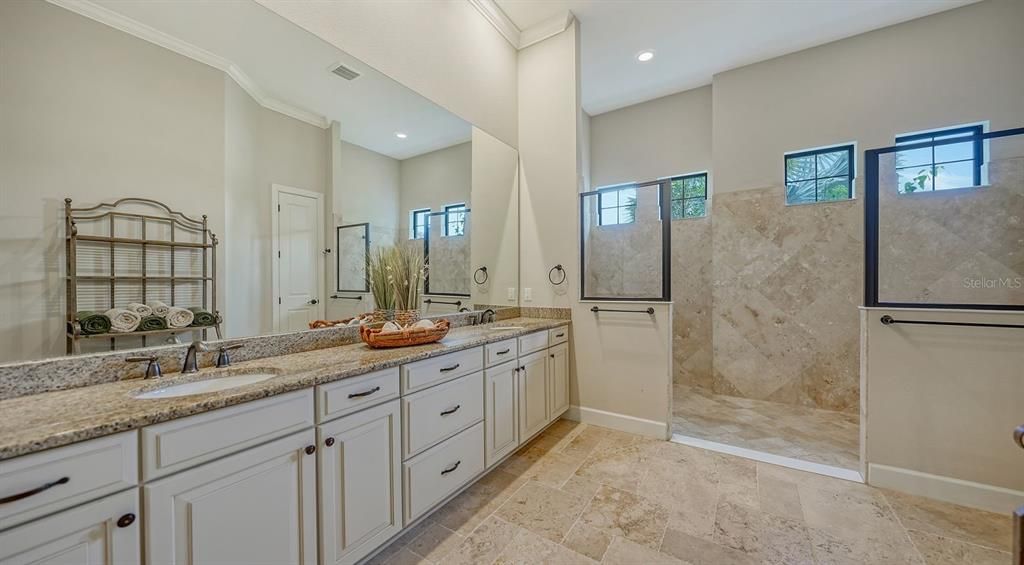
(584, 494)
(799, 432)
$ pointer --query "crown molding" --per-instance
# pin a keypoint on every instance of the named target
(490, 10)
(146, 33)
(545, 29)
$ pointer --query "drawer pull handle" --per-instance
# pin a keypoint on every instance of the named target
(367, 393)
(452, 368)
(560, 335)
(37, 490)
(451, 410)
(126, 520)
(452, 468)
(503, 352)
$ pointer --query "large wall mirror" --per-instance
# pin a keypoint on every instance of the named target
(227, 185)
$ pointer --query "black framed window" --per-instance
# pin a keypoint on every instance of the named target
(616, 206)
(418, 223)
(820, 175)
(689, 196)
(940, 167)
(455, 219)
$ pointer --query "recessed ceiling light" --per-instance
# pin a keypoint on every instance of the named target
(645, 56)
(401, 135)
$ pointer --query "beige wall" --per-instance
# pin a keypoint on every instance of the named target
(494, 223)
(941, 406)
(262, 148)
(92, 114)
(445, 51)
(661, 138)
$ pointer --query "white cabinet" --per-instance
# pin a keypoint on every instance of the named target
(257, 506)
(360, 483)
(104, 532)
(501, 429)
(533, 393)
(558, 380)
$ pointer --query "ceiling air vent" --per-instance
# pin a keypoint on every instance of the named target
(345, 72)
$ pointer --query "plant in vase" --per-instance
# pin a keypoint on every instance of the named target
(380, 282)
(407, 271)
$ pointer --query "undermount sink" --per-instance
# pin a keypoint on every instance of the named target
(202, 387)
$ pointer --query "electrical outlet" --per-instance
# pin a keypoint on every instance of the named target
(528, 294)
(511, 293)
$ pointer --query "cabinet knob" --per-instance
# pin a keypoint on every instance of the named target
(126, 520)
(310, 449)
(329, 441)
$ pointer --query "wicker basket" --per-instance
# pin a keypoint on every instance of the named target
(406, 317)
(319, 324)
(411, 336)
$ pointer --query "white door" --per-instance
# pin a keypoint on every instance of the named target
(558, 380)
(360, 483)
(298, 237)
(104, 532)
(500, 425)
(533, 393)
(257, 507)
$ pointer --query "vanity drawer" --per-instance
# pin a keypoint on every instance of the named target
(440, 471)
(187, 442)
(501, 351)
(533, 342)
(60, 478)
(434, 414)
(349, 395)
(428, 372)
(558, 335)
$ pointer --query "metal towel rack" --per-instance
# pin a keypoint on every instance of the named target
(648, 311)
(336, 297)
(888, 320)
(457, 303)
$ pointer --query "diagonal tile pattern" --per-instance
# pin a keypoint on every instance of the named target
(683, 505)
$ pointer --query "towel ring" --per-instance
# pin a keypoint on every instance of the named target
(476, 279)
(552, 271)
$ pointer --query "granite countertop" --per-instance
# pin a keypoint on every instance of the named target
(52, 419)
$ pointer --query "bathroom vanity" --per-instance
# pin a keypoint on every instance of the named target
(313, 465)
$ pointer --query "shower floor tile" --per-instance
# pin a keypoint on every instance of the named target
(799, 432)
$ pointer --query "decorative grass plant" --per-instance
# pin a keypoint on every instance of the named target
(396, 276)
(380, 280)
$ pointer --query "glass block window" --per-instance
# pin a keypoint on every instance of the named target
(940, 167)
(617, 206)
(455, 219)
(689, 196)
(418, 223)
(820, 175)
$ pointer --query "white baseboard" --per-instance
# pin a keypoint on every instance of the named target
(621, 422)
(957, 491)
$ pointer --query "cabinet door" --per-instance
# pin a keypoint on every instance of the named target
(533, 393)
(102, 532)
(254, 507)
(500, 419)
(558, 380)
(360, 482)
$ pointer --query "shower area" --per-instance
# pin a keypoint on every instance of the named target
(767, 296)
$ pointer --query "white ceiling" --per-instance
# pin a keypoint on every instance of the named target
(694, 39)
(291, 65)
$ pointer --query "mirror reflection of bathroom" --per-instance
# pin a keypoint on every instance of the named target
(218, 185)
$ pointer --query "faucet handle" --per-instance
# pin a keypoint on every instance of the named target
(152, 369)
(223, 359)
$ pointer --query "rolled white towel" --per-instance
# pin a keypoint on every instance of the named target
(123, 321)
(159, 308)
(139, 308)
(179, 317)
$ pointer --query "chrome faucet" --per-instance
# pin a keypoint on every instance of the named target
(191, 365)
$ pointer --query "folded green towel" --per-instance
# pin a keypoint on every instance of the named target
(93, 323)
(203, 317)
(150, 323)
